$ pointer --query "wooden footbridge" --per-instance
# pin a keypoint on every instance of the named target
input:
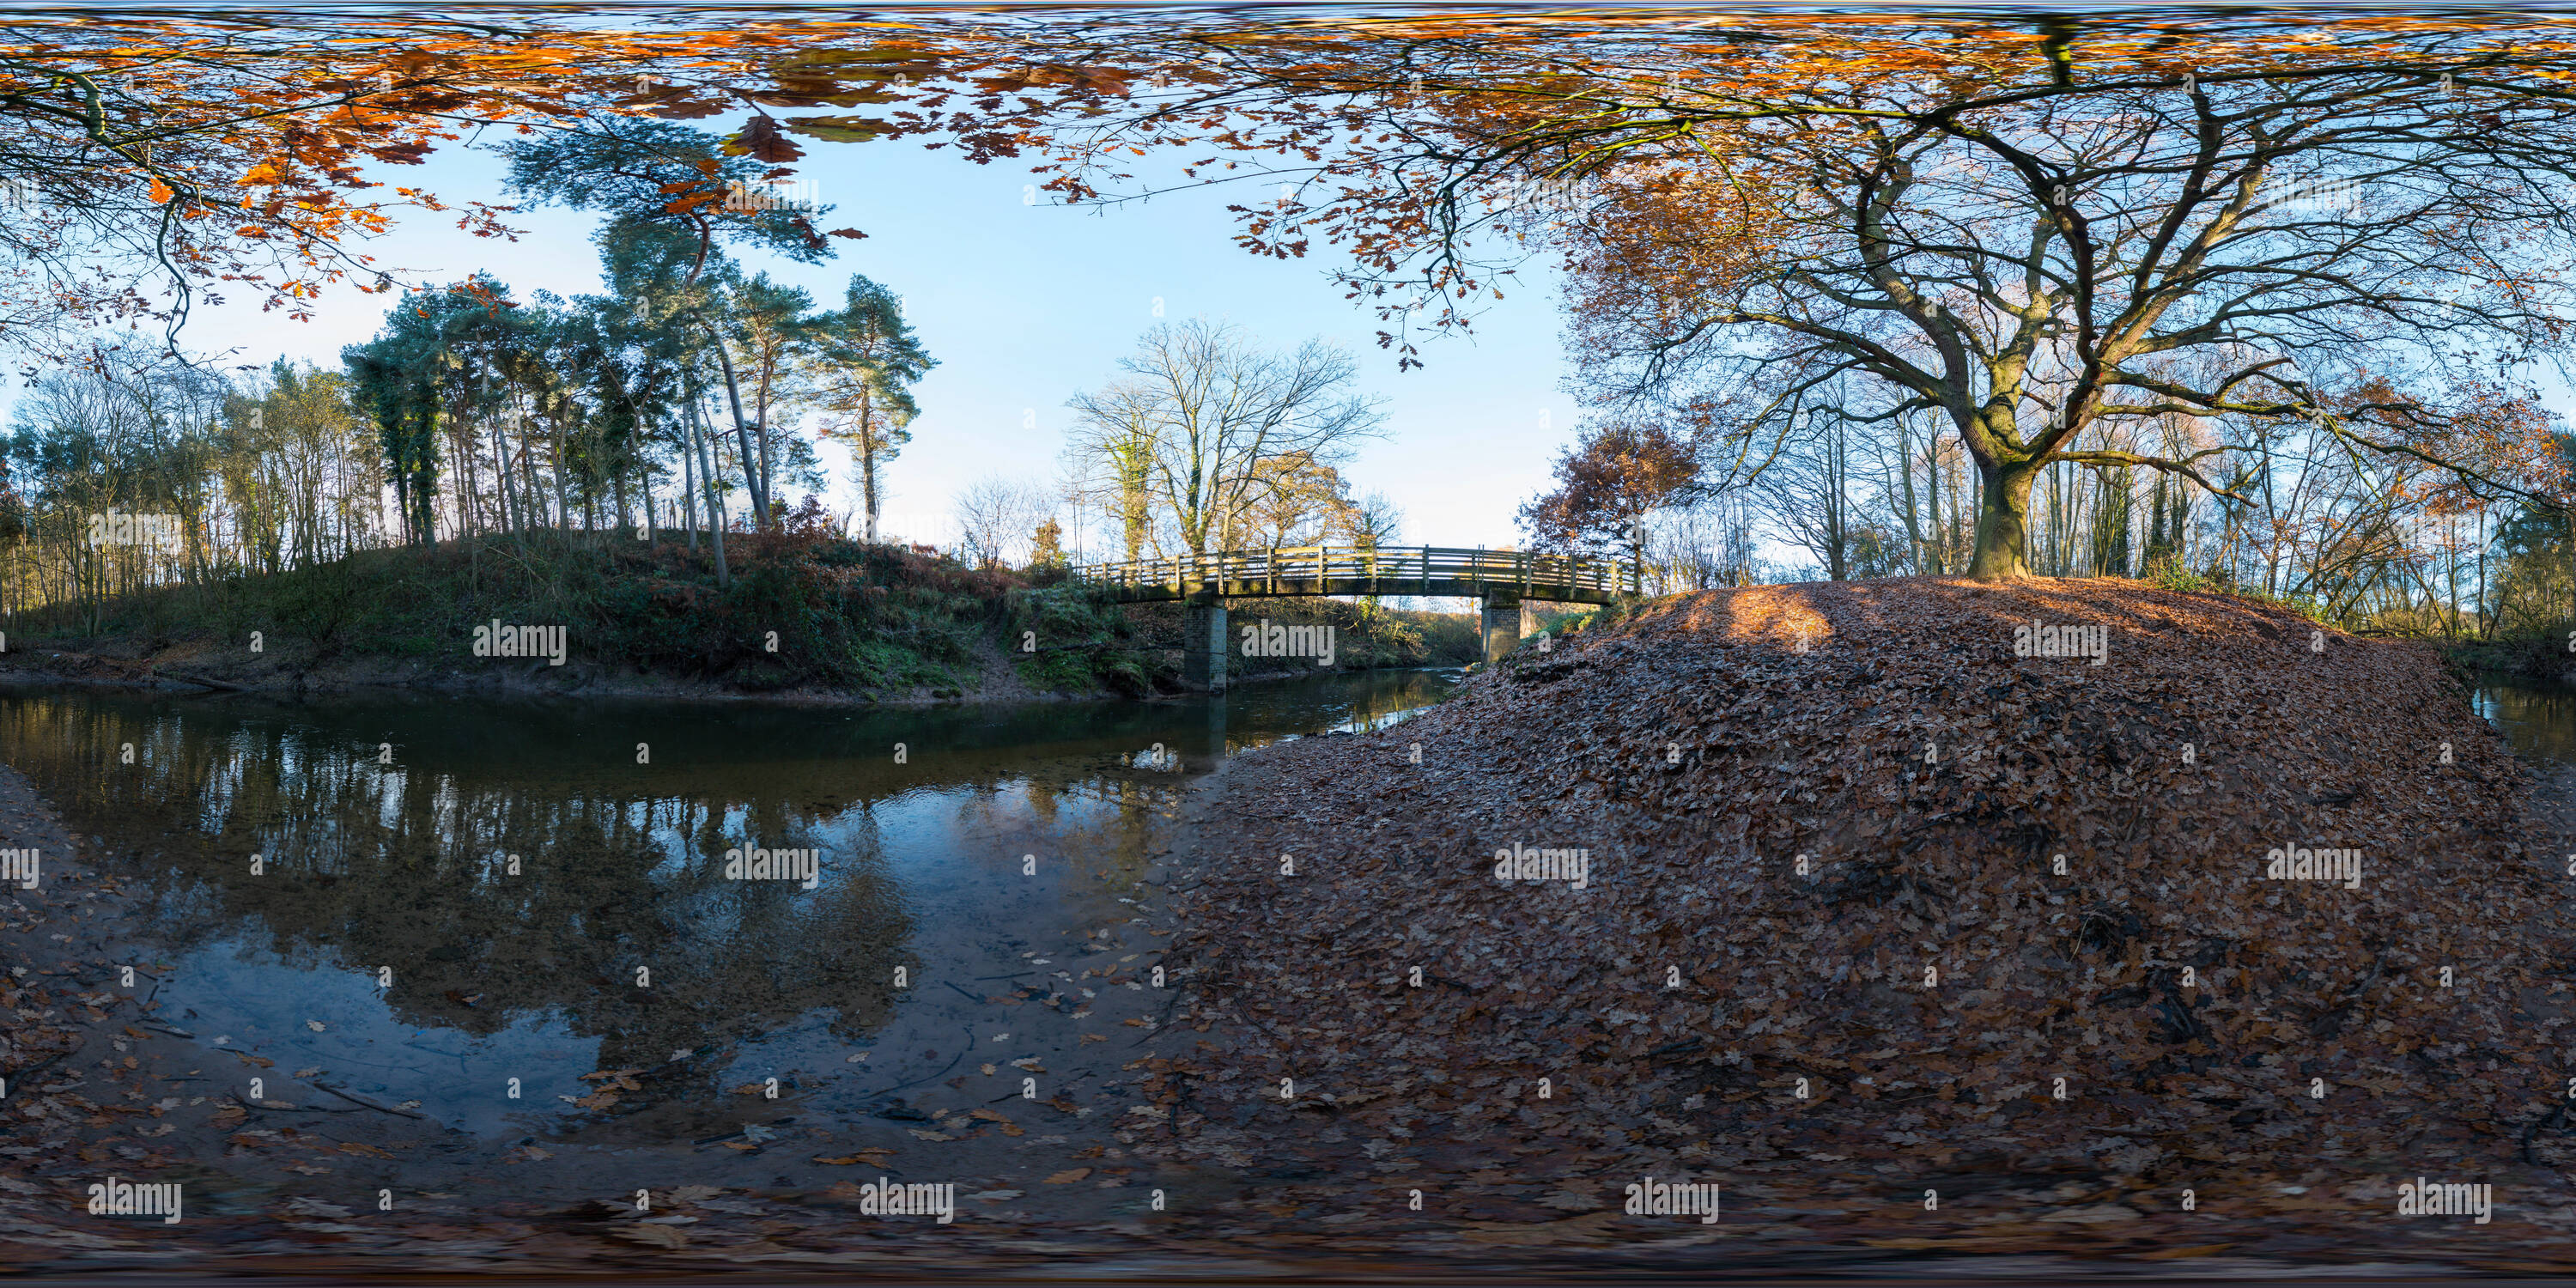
(1504, 580)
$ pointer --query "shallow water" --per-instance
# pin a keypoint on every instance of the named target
(330, 883)
(2537, 719)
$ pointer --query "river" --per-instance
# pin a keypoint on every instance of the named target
(2537, 719)
(462, 907)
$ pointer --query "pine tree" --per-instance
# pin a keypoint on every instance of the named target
(864, 360)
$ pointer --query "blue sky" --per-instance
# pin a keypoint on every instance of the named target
(1024, 304)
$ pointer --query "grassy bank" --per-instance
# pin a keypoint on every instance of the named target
(802, 614)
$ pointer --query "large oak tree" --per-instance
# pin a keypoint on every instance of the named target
(2030, 228)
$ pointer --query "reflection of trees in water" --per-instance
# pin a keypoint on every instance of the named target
(398, 865)
(1122, 821)
(370, 866)
(1101, 821)
(2538, 721)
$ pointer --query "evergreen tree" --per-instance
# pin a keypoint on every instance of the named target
(864, 360)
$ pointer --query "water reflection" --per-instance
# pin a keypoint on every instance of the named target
(546, 882)
(2538, 720)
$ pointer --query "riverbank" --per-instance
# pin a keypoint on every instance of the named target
(1302, 1094)
(1012, 975)
(2542, 659)
(1311, 1185)
(803, 618)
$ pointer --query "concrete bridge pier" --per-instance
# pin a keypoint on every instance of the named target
(1203, 643)
(1508, 617)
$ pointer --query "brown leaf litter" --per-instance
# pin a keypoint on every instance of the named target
(1932, 973)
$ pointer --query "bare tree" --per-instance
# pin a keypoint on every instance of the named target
(1704, 545)
(1373, 520)
(997, 518)
(1206, 419)
(1111, 457)
(1810, 491)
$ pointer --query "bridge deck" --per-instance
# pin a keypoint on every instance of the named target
(1368, 570)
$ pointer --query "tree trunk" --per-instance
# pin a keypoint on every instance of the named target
(715, 509)
(2003, 522)
(868, 459)
(763, 426)
(742, 434)
(868, 484)
(689, 484)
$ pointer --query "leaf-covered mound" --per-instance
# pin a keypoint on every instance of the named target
(1932, 974)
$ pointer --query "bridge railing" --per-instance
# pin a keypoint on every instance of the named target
(1393, 570)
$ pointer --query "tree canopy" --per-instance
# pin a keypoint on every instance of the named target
(2038, 229)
